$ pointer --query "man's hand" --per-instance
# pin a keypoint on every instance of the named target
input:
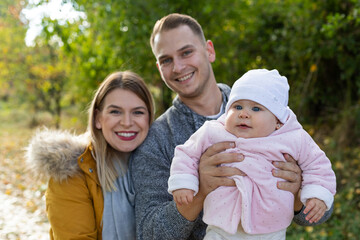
(291, 172)
(212, 175)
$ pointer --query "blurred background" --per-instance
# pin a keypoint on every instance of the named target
(55, 53)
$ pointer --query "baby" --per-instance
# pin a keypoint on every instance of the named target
(263, 127)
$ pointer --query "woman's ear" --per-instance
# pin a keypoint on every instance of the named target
(97, 116)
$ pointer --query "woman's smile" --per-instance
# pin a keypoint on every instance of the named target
(127, 135)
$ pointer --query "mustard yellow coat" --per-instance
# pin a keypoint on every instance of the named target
(74, 198)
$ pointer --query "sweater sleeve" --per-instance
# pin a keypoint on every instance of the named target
(155, 211)
(299, 217)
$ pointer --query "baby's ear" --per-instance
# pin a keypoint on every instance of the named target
(278, 125)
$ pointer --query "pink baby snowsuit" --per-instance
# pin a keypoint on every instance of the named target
(255, 202)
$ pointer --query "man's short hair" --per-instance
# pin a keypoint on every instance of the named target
(175, 20)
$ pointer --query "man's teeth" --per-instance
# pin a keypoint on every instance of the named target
(126, 134)
(185, 78)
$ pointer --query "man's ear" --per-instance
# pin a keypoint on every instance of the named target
(211, 51)
(158, 67)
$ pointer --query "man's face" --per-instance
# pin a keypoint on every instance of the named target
(184, 61)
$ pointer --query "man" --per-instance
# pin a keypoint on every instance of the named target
(184, 60)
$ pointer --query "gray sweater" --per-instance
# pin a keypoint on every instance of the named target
(156, 214)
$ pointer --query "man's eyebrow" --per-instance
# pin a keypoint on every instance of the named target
(179, 50)
(162, 57)
(185, 47)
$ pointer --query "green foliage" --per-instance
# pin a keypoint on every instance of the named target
(12, 50)
(314, 43)
(28, 75)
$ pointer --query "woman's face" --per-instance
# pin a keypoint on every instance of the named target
(124, 120)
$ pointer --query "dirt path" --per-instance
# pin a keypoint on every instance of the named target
(16, 222)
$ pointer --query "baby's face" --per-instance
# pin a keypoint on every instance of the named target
(248, 119)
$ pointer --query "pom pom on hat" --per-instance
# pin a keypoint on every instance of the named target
(265, 87)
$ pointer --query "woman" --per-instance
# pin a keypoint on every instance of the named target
(90, 194)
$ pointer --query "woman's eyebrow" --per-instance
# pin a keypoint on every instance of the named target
(113, 106)
(140, 107)
(118, 107)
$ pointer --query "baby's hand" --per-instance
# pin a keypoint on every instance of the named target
(183, 196)
(316, 209)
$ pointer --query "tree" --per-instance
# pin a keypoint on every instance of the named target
(13, 51)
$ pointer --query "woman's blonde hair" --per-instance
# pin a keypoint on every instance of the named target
(106, 156)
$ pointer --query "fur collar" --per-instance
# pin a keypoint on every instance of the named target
(54, 153)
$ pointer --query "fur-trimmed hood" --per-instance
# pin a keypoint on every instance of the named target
(54, 153)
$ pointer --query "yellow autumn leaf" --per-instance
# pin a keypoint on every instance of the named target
(350, 194)
(327, 141)
(311, 131)
(30, 204)
(350, 235)
(339, 165)
(323, 233)
(313, 68)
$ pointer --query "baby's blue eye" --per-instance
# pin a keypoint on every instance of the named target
(256, 109)
(238, 107)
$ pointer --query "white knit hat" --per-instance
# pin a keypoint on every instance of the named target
(265, 87)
